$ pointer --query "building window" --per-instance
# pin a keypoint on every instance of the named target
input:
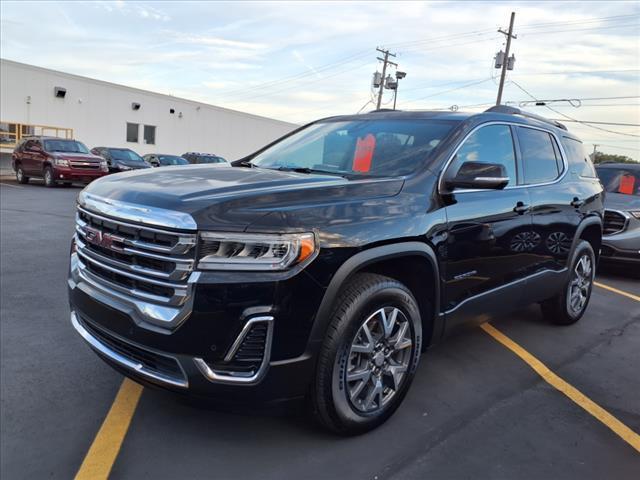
(132, 132)
(150, 134)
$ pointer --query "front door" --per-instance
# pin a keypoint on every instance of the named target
(489, 236)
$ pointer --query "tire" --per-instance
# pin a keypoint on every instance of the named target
(380, 378)
(48, 177)
(20, 176)
(569, 306)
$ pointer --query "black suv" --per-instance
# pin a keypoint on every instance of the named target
(321, 266)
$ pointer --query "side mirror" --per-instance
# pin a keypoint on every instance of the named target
(477, 175)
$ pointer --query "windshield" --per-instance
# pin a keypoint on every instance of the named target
(620, 180)
(125, 155)
(68, 146)
(358, 147)
(171, 160)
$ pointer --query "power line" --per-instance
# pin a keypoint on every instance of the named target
(621, 148)
(571, 118)
(451, 89)
(598, 123)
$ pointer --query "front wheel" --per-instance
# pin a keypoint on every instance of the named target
(48, 177)
(369, 356)
(569, 306)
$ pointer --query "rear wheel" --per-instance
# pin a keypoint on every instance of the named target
(568, 306)
(369, 356)
(48, 177)
(20, 176)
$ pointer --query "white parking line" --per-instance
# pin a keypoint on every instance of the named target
(9, 185)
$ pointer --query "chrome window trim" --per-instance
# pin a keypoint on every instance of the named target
(227, 377)
(125, 361)
(145, 215)
(443, 191)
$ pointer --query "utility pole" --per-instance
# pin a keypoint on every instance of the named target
(386, 61)
(595, 151)
(503, 74)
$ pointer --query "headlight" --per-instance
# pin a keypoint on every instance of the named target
(104, 166)
(124, 167)
(61, 162)
(635, 213)
(245, 251)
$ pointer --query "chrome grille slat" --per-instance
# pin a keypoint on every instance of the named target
(175, 275)
(137, 261)
(614, 222)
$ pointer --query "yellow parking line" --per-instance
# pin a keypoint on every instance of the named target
(619, 428)
(619, 292)
(105, 447)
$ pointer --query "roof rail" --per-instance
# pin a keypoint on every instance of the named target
(516, 111)
(385, 110)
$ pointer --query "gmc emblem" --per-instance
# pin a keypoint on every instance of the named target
(101, 239)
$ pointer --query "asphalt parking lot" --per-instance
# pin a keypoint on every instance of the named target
(476, 409)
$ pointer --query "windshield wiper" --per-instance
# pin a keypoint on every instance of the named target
(308, 170)
(247, 163)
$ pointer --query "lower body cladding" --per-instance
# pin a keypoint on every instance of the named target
(240, 343)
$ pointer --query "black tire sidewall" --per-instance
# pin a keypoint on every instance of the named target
(374, 298)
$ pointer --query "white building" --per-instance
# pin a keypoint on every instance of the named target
(36, 100)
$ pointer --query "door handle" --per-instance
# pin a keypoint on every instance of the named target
(576, 202)
(521, 208)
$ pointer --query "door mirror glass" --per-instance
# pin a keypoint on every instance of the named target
(480, 175)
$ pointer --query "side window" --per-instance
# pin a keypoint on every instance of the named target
(490, 144)
(539, 160)
(578, 159)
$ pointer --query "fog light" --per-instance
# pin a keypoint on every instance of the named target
(61, 176)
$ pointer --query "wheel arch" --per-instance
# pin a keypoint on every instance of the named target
(406, 262)
(590, 229)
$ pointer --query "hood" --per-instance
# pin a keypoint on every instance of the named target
(620, 201)
(83, 157)
(233, 198)
(130, 163)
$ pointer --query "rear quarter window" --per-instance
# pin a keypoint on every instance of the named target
(579, 161)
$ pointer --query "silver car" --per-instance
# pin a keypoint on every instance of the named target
(621, 235)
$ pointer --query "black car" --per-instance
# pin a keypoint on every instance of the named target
(120, 159)
(196, 158)
(164, 160)
(321, 266)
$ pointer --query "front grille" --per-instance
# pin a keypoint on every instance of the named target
(85, 166)
(154, 362)
(148, 263)
(614, 222)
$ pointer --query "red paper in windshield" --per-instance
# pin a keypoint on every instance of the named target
(364, 153)
(627, 184)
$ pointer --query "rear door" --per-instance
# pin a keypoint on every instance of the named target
(556, 203)
(489, 236)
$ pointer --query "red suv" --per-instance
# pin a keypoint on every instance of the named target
(56, 160)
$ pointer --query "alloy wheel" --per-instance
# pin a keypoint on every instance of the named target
(379, 359)
(19, 174)
(580, 284)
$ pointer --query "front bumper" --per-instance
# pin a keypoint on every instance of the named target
(80, 175)
(190, 359)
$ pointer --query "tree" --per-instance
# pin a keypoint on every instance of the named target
(599, 157)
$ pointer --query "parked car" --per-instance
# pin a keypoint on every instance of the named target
(621, 240)
(321, 266)
(194, 157)
(55, 160)
(120, 159)
(163, 160)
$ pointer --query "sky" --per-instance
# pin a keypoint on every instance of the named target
(298, 61)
